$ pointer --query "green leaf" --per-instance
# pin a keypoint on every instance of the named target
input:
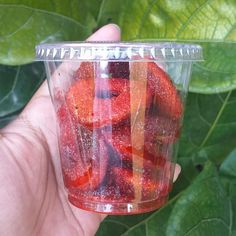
(31, 26)
(189, 171)
(218, 72)
(209, 130)
(17, 86)
(208, 23)
(148, 224)
(203, 209)
(228, 167)
(81, 11)
(117, 225)
(228, 174)
(4, 121)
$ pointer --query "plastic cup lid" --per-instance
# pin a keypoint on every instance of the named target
(118, 51)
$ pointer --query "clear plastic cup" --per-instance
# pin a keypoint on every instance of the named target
(119, 109)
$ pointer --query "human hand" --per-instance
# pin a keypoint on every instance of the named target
(32, 196)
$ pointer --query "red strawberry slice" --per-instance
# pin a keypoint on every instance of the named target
(114, 69)
(84, 156)
(105, 194)
(167, 98)
(161, 129)
(118, 69)
(157, 131)
(141, 184)
(94, 110)
(85, 71)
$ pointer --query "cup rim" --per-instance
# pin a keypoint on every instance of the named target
(118, 51)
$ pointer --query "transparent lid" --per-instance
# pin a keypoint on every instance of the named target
(118, 51)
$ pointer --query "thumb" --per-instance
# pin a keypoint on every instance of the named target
(38, 113)
(110, 32)
(34, 111)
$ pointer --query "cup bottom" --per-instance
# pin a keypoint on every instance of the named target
(118, 208)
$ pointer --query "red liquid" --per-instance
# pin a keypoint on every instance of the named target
(116, 139)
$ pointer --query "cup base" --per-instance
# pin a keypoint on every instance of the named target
(113, 208)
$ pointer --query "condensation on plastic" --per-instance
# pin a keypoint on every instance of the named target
(125, 51)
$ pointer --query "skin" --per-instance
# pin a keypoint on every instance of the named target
(33, 200)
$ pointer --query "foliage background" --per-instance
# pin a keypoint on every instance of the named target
(203, 201)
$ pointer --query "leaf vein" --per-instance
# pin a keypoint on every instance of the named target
(118, 222)
(210, 131)
(17, 30)
(203, 221)
(198, 9)
(13, 86)
(100, 11)
(45, 12)
(147, 10)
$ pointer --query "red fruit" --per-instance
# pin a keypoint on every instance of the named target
(142, 185)
(167, 99)
(85, 71)
(156, 131)
(118, 69)
(114, 70)
(106, 194)
(161, 129)
(84, 156)
(87, 103)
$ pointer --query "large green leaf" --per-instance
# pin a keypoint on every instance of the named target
(203, 209)
(209, 127)
(218, 72)
(31, 26)
(138, 225)
(117, 225)
(208, 23)
(228, 176)
(84, 12)
(17, 86)
(228, 167)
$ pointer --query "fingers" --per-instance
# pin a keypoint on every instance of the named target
(177, 172)
(110, 32)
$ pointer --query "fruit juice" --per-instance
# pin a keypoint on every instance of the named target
(118, 124)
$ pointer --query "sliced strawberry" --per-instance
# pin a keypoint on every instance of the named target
(167, 99)
(85, 71)
(157, 131)
(109, 195)
(84, 156)
(118, 69)
(161, 129)
(93, 110)
(114, 69)
(141, 185)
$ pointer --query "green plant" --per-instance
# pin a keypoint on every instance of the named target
(203, 201)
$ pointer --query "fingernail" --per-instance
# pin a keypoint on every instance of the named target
(115, 26)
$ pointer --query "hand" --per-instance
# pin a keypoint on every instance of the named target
(32, 197)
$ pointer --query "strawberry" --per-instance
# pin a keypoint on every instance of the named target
(167, 99)
(118, 69)
(88, 70)
(94, 110)
(108, 194)
(84, 156)
(85, 71)
(140, 184)
(157, 131)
